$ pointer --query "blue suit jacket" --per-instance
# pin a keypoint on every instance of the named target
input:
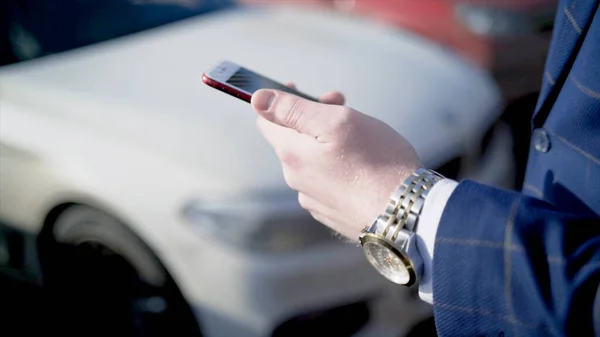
(528, 264)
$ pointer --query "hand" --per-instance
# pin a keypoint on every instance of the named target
(345, 165)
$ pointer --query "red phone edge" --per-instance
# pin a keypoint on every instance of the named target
(226, 89)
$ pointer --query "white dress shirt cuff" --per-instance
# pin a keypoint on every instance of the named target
(429, 220)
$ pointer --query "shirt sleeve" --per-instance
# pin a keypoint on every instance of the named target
(426, 230)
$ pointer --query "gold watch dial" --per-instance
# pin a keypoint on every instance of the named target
(388, 261)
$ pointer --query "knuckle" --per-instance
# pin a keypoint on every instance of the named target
(342, 122)
(290, 179)
(343, 118)
(303, 201)
(288, 158)
(295, 109)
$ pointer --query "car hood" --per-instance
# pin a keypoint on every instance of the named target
(147, 87)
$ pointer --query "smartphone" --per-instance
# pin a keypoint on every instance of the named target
(241, 82)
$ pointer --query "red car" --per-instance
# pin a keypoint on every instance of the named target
(509, 38)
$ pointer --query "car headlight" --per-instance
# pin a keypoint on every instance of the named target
(495, 22)
(268, 225)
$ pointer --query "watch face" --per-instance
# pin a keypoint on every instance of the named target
(387, 262)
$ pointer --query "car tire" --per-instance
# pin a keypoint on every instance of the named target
(425, 328)
(102, 277)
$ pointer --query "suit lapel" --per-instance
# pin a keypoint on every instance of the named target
(571, 19)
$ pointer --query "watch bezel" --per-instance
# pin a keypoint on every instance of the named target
(374, 238)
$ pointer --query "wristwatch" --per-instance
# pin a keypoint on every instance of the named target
(389, 243)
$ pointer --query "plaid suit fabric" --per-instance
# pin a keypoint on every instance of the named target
(528, 264)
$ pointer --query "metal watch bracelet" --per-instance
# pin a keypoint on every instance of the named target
(406, 204)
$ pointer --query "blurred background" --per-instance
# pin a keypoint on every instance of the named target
(136, 201)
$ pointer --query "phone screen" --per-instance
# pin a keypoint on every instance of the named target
(250, 82)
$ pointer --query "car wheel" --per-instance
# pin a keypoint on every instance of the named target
(103, 280)
(425, 328)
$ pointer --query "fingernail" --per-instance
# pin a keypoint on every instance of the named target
(262, 99)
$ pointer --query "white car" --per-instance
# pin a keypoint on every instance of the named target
(155, 205)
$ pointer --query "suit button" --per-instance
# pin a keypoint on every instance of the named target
(541, 142)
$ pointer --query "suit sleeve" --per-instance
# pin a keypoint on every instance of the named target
(507, 264)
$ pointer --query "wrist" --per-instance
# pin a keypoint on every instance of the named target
(387, 188)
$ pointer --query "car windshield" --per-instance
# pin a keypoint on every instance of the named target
(34, 28)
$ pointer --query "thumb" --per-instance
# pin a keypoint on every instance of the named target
(291, 111)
